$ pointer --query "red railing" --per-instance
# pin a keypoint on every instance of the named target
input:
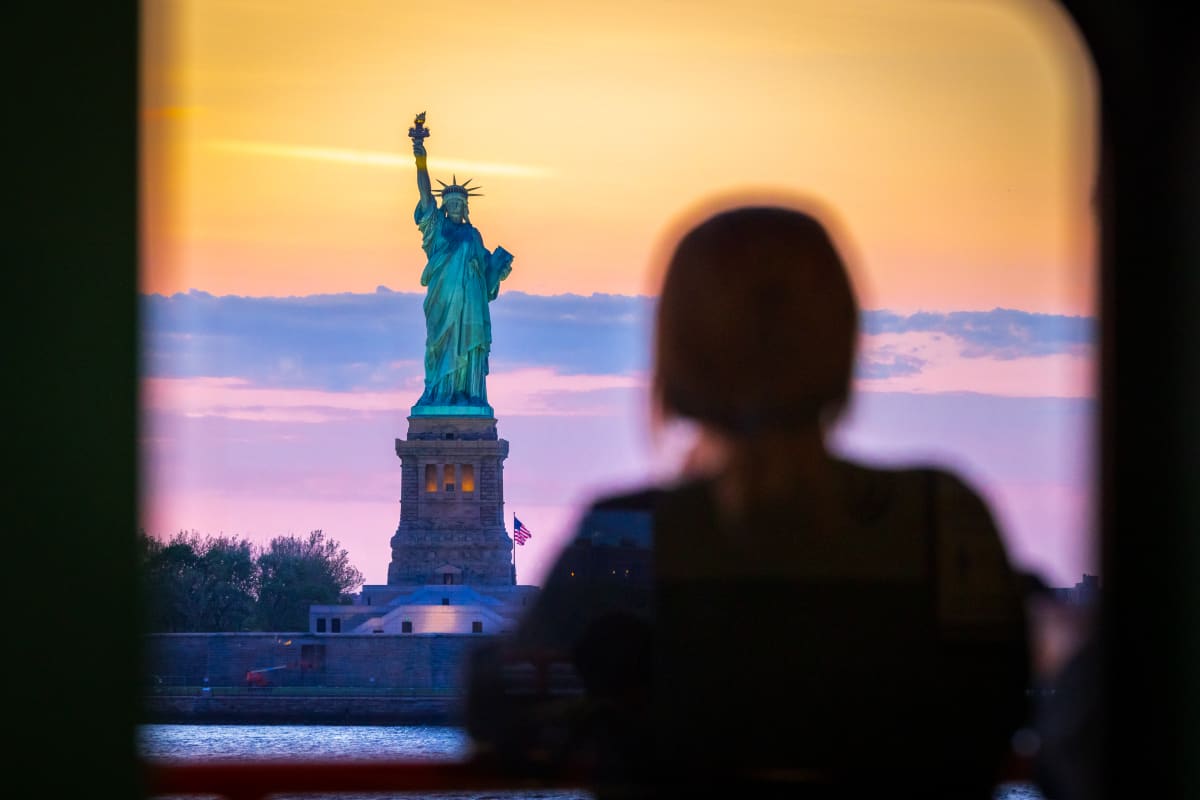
(254, 780)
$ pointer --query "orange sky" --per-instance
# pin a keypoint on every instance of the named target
(953, 139)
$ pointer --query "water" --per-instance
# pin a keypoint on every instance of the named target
(167, 743)
(300, 742)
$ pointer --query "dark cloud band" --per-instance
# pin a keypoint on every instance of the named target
(1001, 333)
(340, 342)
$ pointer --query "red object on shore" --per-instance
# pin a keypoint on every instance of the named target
(259, 677)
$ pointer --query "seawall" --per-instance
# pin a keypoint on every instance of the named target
(281, 678)
(430, 662)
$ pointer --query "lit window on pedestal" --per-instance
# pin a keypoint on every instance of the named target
(468, 477)
(448, 477)
(431, 477)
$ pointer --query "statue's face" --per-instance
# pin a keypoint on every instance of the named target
(455, 208)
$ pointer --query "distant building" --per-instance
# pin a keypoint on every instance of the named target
(449, 608)
(451, 569)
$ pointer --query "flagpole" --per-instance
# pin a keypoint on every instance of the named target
(514, 559)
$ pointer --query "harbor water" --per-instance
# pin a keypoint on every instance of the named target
(193, 743)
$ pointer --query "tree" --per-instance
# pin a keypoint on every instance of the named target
(227, 585)
(159, 572)
(295, 573)
(195, 584)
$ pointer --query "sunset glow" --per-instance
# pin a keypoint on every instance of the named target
(952, 143)
(954, 138)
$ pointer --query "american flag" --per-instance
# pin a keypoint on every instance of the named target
(521, 534)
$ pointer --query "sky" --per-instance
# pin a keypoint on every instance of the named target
(951, 144)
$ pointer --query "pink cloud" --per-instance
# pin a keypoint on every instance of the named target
(536, 391)
(227, 456)
(524, 392)
(230, 397)
(947, 369)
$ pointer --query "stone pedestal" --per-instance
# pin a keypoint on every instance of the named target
(451, 504)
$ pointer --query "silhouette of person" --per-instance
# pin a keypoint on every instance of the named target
(779, 621)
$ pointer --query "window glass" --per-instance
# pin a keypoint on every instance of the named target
(954, 141)
(281, 292)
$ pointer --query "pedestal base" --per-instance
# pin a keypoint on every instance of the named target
(451, 504)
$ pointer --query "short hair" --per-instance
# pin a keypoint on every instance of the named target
(757, 324)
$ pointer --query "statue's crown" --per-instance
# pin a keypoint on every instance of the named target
(464, 191)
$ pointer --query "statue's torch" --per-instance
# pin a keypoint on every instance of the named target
(418, 131)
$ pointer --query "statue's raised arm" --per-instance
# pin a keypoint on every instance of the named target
(417, 133)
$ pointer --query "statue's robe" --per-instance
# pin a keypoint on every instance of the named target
(461, 277)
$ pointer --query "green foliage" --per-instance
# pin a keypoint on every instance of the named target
(295, 573)
(222, 583)
(198, 584)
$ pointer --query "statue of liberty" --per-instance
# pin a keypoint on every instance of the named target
(462, 277)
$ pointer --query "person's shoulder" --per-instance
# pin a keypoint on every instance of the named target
(874, 484)
(621, 519)
(640, 499)
(978, 591)
(893, 473)
(960, 504)
(651, 499)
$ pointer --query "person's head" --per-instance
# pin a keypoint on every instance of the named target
(756, 326)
